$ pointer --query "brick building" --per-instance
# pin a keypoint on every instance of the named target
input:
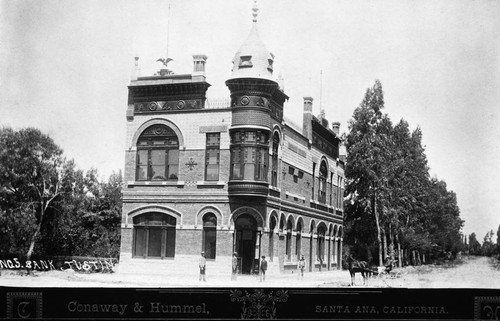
(233, 177)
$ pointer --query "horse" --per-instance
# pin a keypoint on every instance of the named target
(362, 267)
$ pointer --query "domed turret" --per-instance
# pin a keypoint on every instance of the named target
(253, 60)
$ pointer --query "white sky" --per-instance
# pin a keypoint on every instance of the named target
(65, 67)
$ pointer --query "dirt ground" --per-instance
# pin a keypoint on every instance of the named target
(470, 272)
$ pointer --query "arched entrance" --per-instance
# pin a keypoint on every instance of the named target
(246, 243)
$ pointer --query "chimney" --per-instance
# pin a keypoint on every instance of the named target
(307, 118)
(336, 128)
(199, 62)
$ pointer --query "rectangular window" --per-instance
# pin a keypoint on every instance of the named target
(314, 170)
(249, 163)
(158, 164)
(142, 165)
(212, 157)
(236, 163)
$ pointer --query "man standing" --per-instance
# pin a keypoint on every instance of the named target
(202, 264)
(263, 268)
(301, 266)
(234, 266)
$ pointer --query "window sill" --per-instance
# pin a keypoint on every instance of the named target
(303, 199)
(155, 183)
(210, 183)
(275, 188)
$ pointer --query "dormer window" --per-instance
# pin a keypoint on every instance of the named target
(246, 62)
(270, 66)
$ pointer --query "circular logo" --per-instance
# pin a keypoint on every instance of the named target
(152, 106)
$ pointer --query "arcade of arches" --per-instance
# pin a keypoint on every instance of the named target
(284, 241)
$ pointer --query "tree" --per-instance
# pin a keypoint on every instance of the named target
(368, 162)
(30, 163)
(474, 246)
(488, 247)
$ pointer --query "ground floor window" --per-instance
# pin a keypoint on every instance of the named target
(154, 235)
(209, 235)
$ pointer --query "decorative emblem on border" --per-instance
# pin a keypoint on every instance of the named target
(153, 106)
(24, 305)
(487, 308)
(245, 100)
(191, 164)
(258, 305)
(180, 104)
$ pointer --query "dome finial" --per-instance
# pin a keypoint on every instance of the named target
(255, 10)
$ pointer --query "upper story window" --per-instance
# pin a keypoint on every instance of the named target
(323, 172)
(249, 155)
(157, 155)
(212, 157)
(245, 62)
(274, 165)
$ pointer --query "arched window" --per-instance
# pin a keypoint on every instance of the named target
(157, 154)
(321, 244)
(209, 235)
(323, 172)
(298, 240)
(274, 165)
(288, 240)
(272, 226)
(154, 235)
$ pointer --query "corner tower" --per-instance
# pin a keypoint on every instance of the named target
(255, 101)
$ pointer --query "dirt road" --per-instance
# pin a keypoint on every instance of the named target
(473, 272)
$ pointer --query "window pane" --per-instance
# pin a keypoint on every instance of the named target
(173, 156)
(158, 173)
(141, 173)
(173, 171)
(237, 171)
(212, 172)
(212, 156)
(158, 157)
(140, 234)
(249, 171)
(170, 246)
(142, 157)
(154, 245)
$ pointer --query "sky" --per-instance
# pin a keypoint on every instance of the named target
(65, 67)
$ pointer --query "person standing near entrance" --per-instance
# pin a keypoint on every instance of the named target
(301, 266)
(202, 264)
(234, 266)
(263, 268)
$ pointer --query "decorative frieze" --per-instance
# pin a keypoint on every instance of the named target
(171, 105)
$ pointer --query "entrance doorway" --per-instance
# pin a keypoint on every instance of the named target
(246, 243)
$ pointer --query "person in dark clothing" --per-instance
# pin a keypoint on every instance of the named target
(263, 268)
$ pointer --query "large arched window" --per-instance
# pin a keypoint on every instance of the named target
(209, 235)
(249, 155)
(157, 154)
(274, 165)
(154, 235)
(323, 172)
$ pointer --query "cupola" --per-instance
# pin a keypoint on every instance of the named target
(253, 60)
